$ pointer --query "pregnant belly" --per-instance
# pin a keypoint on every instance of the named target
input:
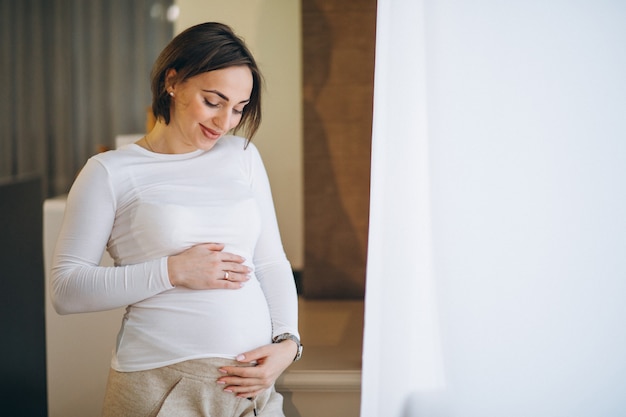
(181, 323)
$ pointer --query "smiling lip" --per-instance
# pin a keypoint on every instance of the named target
(210, 133)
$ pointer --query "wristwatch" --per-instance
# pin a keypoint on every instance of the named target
(289, 336)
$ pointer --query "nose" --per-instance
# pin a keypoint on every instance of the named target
(222, 120)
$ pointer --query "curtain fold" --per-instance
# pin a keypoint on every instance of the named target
(77, 75)
(401, 339)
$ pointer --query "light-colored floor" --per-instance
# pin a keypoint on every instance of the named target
(326, 382)
(331, 333)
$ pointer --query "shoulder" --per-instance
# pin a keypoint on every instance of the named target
(115, 158)
(238, 147)
(117, 165)
(236, 143)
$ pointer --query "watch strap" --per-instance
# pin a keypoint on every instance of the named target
(288, 336)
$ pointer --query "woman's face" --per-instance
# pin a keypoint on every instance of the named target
(207, 106)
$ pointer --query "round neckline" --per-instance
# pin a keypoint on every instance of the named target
(170, 156)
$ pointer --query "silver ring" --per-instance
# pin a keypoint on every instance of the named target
(225, 274)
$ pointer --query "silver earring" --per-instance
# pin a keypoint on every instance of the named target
(172, 93)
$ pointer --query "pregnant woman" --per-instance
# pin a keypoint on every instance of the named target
(187, 215)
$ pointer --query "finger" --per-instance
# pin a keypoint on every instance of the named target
(212, 246)
(239, 385)
(243, 383)
(223, 284)
(249, 390)
(234, 373)
(228, 257)
(236, 267)
(235, 277)
(249, 381)
(255, 354)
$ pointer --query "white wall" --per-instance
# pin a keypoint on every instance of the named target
(272, 30)
(503, 130)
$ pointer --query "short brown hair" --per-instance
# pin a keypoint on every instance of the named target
(206, 47)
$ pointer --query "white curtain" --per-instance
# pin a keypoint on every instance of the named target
(75, 74)
(496, 277)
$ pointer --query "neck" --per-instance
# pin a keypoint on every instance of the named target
(162, 139)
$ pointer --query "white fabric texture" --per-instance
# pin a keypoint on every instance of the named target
(143, 207)
(495, 277)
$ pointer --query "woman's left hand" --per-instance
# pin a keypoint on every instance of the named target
(250, 381)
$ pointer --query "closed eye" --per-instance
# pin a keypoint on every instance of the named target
(216, 105)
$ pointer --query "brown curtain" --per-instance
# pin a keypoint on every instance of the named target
(75, 74)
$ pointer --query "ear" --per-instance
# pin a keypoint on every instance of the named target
(170, 79)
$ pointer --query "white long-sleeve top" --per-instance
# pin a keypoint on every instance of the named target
(143, 207)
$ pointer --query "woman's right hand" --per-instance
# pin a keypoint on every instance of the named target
(207, 267)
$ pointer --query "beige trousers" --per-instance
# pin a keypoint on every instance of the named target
(186, 389)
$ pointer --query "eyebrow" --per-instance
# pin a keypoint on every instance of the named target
(223, 96)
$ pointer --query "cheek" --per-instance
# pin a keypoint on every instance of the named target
(182, 109)
(235, 121)
(196, 111)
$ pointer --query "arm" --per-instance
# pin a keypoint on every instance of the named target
(78, 283)
(271, 265)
